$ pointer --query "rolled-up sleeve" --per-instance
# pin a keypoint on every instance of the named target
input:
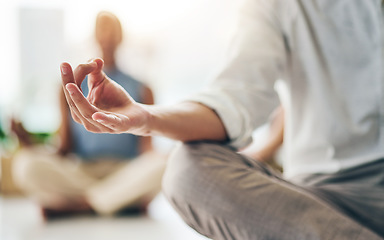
(243, 93)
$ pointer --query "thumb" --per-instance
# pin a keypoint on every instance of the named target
(97, 75)
(100, 65)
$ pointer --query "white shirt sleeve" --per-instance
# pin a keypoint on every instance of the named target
(243, 93)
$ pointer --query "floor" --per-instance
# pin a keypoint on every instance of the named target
(20, 219)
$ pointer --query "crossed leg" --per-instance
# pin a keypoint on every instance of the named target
(225, 195)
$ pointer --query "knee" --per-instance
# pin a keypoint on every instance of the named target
(194, 186)
(189, 168)
(182, 170)
(184, 175)
(179, 171)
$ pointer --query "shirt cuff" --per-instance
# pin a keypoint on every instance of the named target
(230, 114)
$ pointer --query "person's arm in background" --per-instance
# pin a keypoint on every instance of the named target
(273, 142)
(145, 144)
(64, 130)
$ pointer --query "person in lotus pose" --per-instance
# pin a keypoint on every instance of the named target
(329, 55)
(98, 172)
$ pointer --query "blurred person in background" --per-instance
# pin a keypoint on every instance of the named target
(329, 56)
(93, 172)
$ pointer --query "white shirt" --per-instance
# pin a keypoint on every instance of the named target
(329, 56)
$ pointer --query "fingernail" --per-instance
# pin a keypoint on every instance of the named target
(99, 120)
(64, 70)
(69, 89)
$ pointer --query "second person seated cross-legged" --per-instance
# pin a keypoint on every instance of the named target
(105, 173)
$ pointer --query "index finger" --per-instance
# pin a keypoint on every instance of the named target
(82, 71)
(67, 77)
(66, 73)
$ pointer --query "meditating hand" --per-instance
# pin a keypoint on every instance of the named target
(108, 108)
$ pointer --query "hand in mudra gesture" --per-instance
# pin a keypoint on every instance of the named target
(108, 108)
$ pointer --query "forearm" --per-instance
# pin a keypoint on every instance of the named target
(187, 121)
(64, 131)
(145, 144)
(65, 143)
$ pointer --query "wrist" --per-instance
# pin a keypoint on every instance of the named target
(149, 124)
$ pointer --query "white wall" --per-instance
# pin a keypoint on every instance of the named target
(41, 45)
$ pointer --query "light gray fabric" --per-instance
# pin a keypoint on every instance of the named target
(329, 55)
(357, 192)
(225, 195)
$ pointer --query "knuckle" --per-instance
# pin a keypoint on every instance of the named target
(81, 69)
(82, 65)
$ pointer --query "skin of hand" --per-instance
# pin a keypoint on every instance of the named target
(274, 140)
(108, 108)
(65, 135)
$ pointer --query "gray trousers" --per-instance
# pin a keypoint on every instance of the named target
(225, 195)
